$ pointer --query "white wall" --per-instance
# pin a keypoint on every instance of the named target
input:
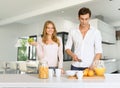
(9, 35)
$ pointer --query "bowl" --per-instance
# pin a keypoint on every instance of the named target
(70, 73)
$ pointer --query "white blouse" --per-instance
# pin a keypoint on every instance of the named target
(85, 48)
(52, 53)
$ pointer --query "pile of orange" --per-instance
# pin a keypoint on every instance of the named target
(88, 72)
(94, 72)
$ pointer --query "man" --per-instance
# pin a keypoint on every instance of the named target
(87, 43)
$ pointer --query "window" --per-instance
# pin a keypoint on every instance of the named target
(22, 53)
(26, 51)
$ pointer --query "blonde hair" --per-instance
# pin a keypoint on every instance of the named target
(54, 35)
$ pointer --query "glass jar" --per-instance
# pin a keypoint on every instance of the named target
(99, 64)
(99, 68)
(43, 70)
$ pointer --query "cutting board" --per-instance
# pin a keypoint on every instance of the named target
(72, 77)
(94, 77)
(87, 77)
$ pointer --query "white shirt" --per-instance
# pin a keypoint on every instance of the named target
(51, 53)
(85, 48)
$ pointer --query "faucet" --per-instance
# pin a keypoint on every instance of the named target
(104, 57)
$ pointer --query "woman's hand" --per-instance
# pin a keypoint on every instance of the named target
(33, 43)
(62, 71)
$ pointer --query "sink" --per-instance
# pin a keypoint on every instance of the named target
(104, 59)
(108, 59)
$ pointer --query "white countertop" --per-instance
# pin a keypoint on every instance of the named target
(32, 81)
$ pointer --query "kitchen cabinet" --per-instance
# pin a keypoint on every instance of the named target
(64, 36)
(118, 65)
(32, 50)
(107, 31)
(111, 65)
(117, 35)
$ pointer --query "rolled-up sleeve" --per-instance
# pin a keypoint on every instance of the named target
(39, 49)
(98, 42)
(69, 41)
(60, 54)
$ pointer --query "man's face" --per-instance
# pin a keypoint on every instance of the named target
(84, 20)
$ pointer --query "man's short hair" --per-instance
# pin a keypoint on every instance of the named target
(84, 11)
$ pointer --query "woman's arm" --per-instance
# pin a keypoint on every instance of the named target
(60, 54)
(39, 48)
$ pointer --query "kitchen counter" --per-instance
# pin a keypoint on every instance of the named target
(32, 81)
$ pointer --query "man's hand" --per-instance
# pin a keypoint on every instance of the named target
(94, 64)
(92, 67)
(75, 58)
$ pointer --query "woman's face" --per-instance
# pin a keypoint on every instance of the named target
(50, 29)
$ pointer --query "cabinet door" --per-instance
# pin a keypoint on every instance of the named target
(64, 36)
(107, 31)
(110, 67)
(118, 35)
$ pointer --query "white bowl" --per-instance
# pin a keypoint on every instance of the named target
(70, 72)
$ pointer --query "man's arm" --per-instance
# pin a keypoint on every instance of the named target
(74, 57)
(96, 58)
(68, 47)
(98, 49)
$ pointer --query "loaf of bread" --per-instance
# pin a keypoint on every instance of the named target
(72, 77)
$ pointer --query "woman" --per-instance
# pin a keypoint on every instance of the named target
(49, 46)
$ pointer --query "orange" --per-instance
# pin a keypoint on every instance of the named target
(88, 72)
(91, 72)
(85, 72)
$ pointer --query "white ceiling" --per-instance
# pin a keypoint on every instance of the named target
(29, 11)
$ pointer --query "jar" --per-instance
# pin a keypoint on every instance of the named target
(43, 70)
(99, 68)
(99, 64)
